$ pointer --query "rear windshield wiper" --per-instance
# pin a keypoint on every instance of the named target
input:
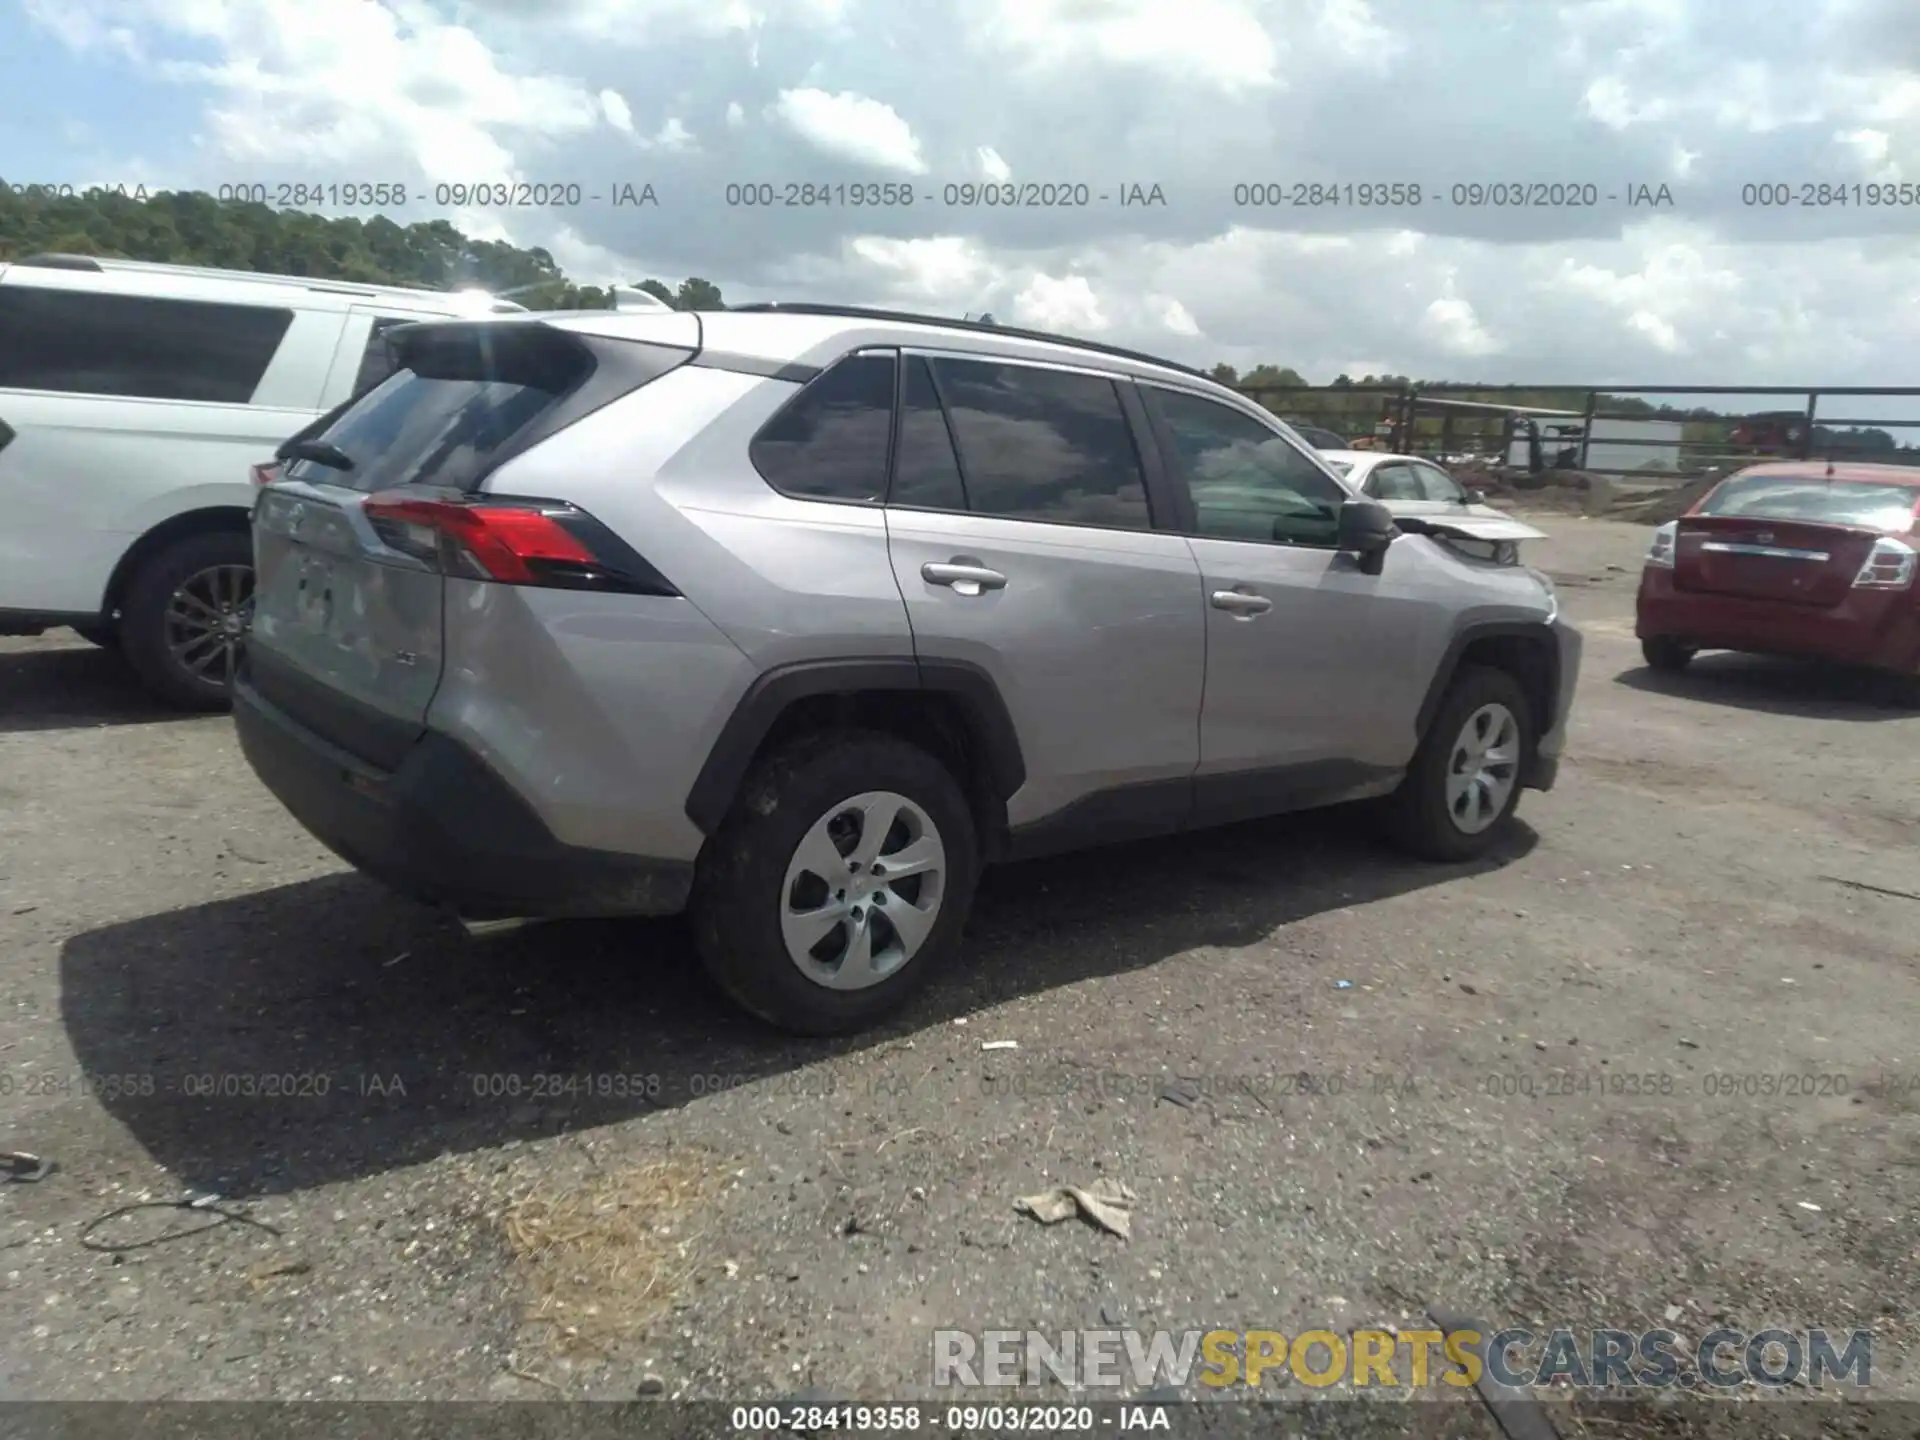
(321, 452)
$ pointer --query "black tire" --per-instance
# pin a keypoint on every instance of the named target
(1666, 654)
(145, 628)
(106, 636)
(738, 893)
(1417, 815)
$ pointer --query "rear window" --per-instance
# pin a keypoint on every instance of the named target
(84, 343)
(1875, 505)
(465, 396)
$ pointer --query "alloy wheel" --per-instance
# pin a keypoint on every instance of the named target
(207, 618)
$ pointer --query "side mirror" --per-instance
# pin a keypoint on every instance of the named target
(1366, 529)
(1476, 497)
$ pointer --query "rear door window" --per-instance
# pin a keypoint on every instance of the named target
(1039, 444)
(831, 441)
(86, 343)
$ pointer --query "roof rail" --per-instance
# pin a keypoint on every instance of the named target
(985, 327)
(370, 290)
(60, 262)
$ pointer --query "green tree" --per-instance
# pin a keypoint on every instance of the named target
(194, 228)
(697, 294)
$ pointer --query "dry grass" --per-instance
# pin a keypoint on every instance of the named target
(602, 1259)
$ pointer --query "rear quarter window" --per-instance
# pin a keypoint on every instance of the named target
(82, 342)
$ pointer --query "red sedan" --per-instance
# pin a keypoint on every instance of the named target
(1789, 558)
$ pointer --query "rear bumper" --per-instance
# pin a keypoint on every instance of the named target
(444, 829)
(1877, 628)
(1545, 769)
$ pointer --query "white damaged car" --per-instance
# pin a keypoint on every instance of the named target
(1425, 498)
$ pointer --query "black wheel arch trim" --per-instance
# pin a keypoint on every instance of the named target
(772, 693)
(1540, 631)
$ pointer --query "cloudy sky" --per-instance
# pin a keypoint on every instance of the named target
(1197, 97)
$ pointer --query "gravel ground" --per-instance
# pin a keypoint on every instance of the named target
(702, 1210)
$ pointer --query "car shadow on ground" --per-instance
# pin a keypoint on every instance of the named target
(325, 1031)
(72, 687)
(1807, 688)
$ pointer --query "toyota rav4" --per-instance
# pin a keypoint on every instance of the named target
(797, 616)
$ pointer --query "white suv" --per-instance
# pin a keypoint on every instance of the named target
(134, 399)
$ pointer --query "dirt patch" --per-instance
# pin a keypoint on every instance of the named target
(602, 1259)
(1570, 492)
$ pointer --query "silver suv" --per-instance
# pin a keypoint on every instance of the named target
(797, 616)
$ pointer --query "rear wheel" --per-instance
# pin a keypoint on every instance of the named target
(185, 617)
(1666, 654)
(839, 883)
(1464, 783)
(105, 636)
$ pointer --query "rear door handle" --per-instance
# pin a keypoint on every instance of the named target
(1240, 603)
(964, 574)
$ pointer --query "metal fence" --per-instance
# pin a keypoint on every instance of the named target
(1600, 430)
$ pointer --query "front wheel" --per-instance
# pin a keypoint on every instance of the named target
(839, 883)
(185, 618)
(1464, 783)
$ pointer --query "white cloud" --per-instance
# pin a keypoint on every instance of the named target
(1457, 329)
(1196, 95)
(852, 127)
(1175, 316)
(291, 83)
(939, 269)
(1872, 150)
(1352, 30)
(618, 113)
(639, 23)
(1218, 43)
(1657, 329)
(1609, 101)
(1067, 303)
(672, 136)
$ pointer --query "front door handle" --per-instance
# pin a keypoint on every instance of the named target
(963, 574)
(1241, 604)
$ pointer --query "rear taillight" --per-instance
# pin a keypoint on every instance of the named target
(1889, 566)
(545, 543)
(264, 474)
(1660, 551)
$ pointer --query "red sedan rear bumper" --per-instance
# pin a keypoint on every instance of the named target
(1878, 628)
